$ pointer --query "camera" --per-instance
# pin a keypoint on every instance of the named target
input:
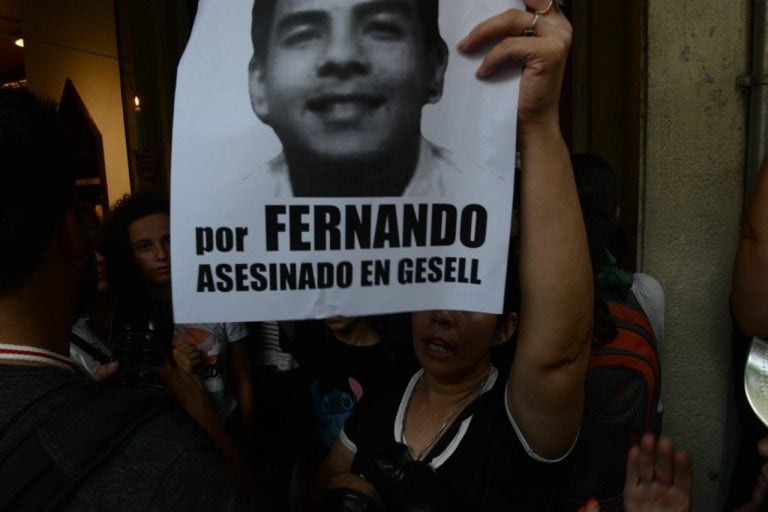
(408, 485)
(140, 337)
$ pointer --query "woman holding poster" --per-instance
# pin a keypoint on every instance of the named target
(461, 434)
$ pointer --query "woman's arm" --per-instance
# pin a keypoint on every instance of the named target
(193, 399)
(334, 472)
(749, 293)
(545, 390)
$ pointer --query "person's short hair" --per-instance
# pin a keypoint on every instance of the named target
(264, 10)
(36, 182)
(116, 244)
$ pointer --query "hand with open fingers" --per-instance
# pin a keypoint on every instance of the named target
(539, 38)
(186, 356)
(658, 477)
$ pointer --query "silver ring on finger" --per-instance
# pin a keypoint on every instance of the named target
(531, 31)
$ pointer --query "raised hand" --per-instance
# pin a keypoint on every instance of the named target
(186, 356)
(543, 54)
(658, 477)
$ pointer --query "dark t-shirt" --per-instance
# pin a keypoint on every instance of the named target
(337, 376)
(168, 463)
(483, 462)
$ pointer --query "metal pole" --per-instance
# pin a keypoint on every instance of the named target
(758, 101)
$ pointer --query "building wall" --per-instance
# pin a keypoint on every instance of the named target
(76, 39)
(691, 179)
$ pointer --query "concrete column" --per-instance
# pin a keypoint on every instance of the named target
(694, 153)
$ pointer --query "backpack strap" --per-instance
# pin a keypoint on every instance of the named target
(92, 350)
(635, 319)
(85, 425)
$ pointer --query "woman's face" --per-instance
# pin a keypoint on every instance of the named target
(456, 344)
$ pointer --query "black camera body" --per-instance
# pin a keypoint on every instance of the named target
(408, 485)
(140, 337)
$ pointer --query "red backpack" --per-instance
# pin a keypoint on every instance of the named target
(632, 352)
(621, 403)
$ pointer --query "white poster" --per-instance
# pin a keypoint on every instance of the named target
(339, 157)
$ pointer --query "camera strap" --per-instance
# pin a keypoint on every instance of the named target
(63, 436)
(92, 350)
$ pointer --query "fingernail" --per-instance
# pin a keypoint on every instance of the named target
(483, 71)
(461, 45)
(592, 502)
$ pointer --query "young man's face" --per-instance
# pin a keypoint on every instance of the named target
(346, 79)
(150, 239)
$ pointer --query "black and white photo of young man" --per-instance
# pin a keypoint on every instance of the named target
(343, 83)
(340, 157)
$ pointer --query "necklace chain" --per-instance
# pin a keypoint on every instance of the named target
(448, 421)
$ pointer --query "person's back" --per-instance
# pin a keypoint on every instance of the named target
(623, 380)
(166, 463)
(162, 461)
